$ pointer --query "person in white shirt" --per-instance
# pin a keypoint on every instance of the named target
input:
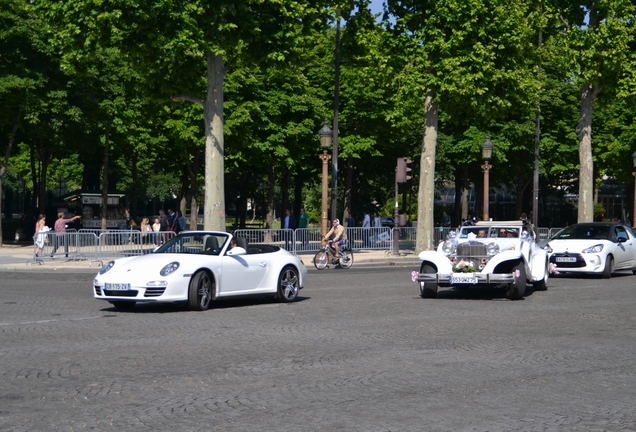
(377, 221)
(366, 225)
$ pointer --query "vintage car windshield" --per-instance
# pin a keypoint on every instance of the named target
(195, 243)
(490, 232)
(583, 232)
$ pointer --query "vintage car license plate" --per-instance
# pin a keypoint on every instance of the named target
(463, 278)
(116, 286)
(565, 259)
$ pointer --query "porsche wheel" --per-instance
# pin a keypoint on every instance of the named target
(321, 260)
(517, 289)
(200, 291)
(123, 305)
(288, 284)
(609, 267)
(428, 289)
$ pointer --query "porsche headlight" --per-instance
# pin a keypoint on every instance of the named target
(593, 249)
(107, 267)
(492, 249)
(169, 269)
(448, 248)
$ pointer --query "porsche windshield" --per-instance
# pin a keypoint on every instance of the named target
(195, 243)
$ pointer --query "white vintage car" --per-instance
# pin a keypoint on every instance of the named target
(486, 254)
(200, 266)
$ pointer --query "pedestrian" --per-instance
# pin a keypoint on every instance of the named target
(156, 228)
(302, 224)
(350, 222)
(446, 220)
(60, 232)
(182, 221)
(40, 237)
(377, 221)
(289, 224)
(146, 231)
(366, 228)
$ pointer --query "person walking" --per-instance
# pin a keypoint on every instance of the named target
(377, 221)
(303, 223)
(366, 228)
(60, 232)
(289, 223)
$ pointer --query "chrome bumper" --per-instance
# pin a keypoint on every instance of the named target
(482, 279)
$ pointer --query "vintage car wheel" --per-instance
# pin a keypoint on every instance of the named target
(288, 284)
(428, 289)
(542, 285)
(346, 259)
(200, 291)
(321, 260)
(517, 289)
(123, 305)
(609, 267)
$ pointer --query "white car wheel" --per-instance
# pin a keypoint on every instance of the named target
(200, 291)
(288, 284)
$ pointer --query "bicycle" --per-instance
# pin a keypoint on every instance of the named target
(325, 256)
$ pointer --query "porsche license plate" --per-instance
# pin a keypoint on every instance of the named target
(565, 259)
(463, 278)
(117, 286)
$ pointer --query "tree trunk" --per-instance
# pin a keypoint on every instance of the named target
(5, 162)
(105, 182)
(193, 169)
(214, 205)
(586, 174)
(45, 160)
(426, 194)
(35, 201)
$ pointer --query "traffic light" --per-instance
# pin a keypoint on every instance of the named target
(403, 170)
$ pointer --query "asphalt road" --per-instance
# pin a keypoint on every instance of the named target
(360, 351)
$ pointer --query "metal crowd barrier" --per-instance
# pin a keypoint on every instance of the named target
(98, 245)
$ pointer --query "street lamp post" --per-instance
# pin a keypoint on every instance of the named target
(634, 173)
(326, 135)
(486, 155)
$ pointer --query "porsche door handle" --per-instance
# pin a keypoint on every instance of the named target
(263, 264)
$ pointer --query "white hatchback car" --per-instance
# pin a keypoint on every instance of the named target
(594, 248)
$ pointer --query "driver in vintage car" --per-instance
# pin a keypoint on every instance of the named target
(338, 234)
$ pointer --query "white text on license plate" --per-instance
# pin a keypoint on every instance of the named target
(565, 259)
(117, 286)
(463, 278)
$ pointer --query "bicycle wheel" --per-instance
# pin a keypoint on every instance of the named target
(346, 259)
(321, 260)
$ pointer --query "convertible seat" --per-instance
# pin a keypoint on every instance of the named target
(211, 244)
(241, 242)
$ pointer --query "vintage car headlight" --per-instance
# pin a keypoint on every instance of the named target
(492, 249)
(593, 249)
(452, 235)
(448, 248)
(525, 235)
(169, 268)
(107, 267)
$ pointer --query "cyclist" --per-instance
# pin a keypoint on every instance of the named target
(338, 236)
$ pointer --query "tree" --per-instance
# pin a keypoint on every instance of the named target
(597, 45)
(174, 42)
(468, 56)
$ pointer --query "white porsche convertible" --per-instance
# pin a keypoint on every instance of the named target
(200, 266)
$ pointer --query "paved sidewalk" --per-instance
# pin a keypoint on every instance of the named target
(20, 258)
